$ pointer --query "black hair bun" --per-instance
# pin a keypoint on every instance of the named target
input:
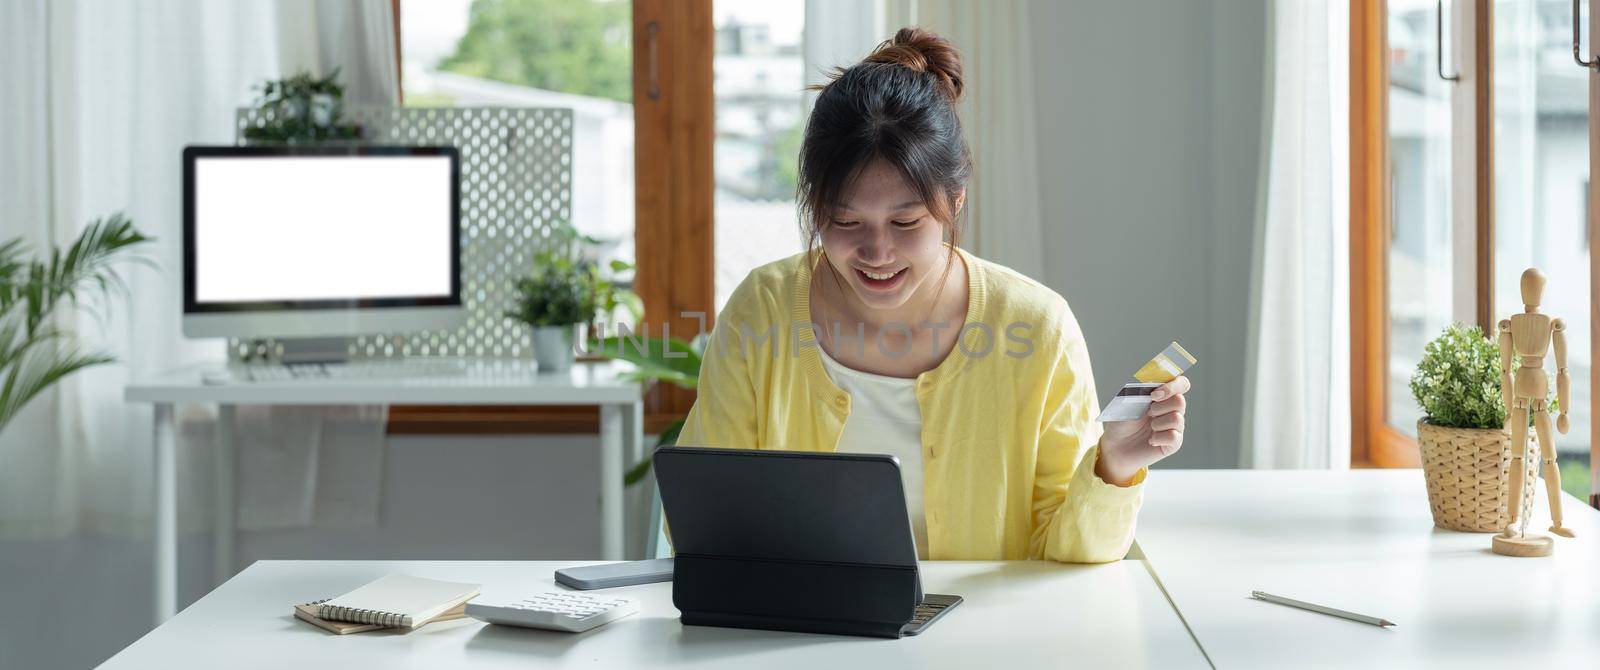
(923, 51)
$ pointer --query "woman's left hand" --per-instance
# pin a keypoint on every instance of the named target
(1127, 447)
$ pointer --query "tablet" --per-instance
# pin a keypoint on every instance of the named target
(794, 505)
(798, 541)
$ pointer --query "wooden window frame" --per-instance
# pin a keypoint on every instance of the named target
(674, 196)
(399, 59)
(1374, 442)
(674, 113)
(1594, 267)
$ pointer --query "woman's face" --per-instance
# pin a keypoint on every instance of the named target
(883, 240)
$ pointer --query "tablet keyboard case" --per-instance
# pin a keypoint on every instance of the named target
(844, 562)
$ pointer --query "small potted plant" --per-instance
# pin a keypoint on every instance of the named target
(561, 294)
(1462, 435)
(302, 109)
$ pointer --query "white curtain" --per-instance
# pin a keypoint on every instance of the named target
(838, 33)
(302, 466)
(1297, 404)
(100, 97)
(354, 36)
(998, 113)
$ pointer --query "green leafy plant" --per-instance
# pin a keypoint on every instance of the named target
(34, 352)
(554, 295)
(562, 288)
(1457, 383)
(609, 295)
(669, 360)
(305, 109)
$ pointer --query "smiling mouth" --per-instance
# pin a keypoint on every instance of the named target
(881, 280)
(881, 276)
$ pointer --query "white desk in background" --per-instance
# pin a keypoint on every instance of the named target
(481, 382)
(1030, 614)
(1363, 540)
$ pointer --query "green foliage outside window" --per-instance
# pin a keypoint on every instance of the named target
(572, 46)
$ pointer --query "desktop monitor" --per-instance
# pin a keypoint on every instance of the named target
(320, 241)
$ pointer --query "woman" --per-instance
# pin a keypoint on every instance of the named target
(890, 339)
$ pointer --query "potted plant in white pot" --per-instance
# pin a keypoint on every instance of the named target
(1465, 446)
(561, 295)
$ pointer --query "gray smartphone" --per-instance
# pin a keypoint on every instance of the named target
(610, 575)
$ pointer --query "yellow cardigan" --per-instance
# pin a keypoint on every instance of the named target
(1009, 436)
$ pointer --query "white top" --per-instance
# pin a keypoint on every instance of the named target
(1020, 614)
(1363, 541)
(885, 419)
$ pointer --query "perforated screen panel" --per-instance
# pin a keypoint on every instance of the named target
(516, 187)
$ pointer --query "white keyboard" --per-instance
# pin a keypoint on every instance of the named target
(559, 610)
(363, 370)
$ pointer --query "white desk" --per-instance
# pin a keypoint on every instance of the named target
(1016, 615)
(1363, 541)
(483, 382)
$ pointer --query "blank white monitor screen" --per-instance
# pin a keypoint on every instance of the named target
(302, 228)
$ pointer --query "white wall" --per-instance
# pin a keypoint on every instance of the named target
(1150, 114)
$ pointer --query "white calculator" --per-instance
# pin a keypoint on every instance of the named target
(557, 610)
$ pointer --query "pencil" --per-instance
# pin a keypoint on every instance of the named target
(1362, 618)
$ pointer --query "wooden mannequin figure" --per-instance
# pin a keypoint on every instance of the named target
(1530, 334)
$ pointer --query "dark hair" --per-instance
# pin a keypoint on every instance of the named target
(898, 105)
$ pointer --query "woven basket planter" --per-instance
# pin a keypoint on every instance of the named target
(1466, 473)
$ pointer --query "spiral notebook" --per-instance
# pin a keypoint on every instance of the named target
(307, 612)
(397, 601)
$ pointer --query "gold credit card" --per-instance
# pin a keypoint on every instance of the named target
(1133, 401)
(1168, 365)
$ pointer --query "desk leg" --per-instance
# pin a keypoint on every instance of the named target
(633, 441)
(165, 513)
(225, 506)
(611, 447)
(633, 433)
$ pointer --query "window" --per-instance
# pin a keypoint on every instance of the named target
(1541, 166)
(1458, 185)
(635, 74)
(1419, 290)
(540, 53)
(758, 79)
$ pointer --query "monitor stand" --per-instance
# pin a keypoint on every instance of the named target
(298, 350)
